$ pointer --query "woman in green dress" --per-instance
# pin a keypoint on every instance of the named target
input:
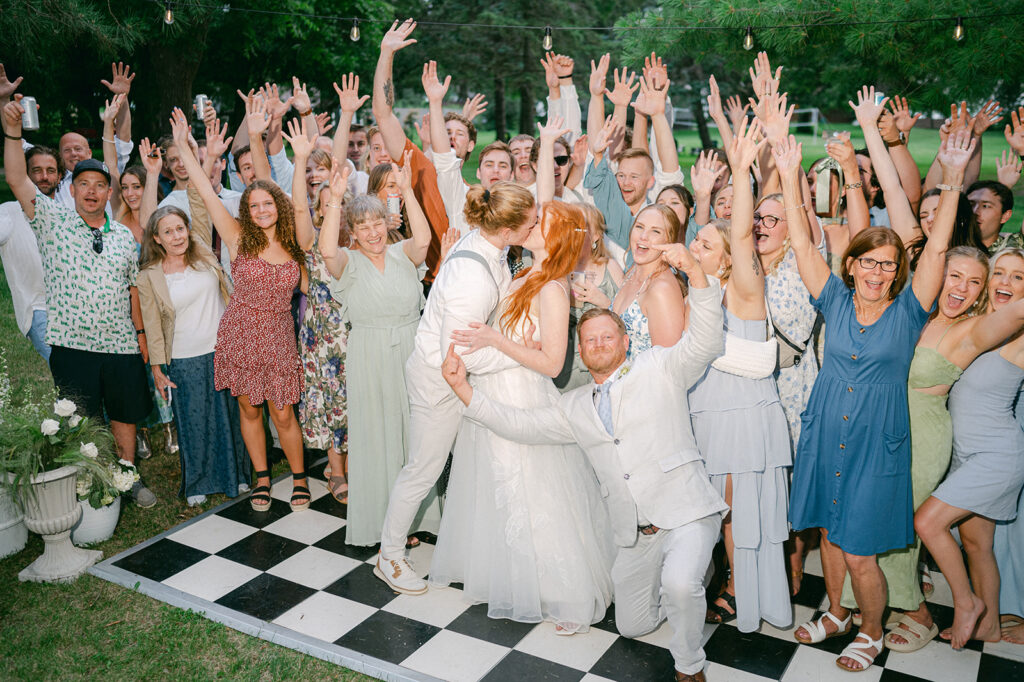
(380, 290)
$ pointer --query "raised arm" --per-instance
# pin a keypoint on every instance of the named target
(14, 158)
(954, 156)
(745, 296)
(1014, 132)
(620, 96)
(899, 149)
(350, 102)
(257, 121)
(474, 106)
(298, 137)
(396, 38)
(111, 111)
(152, 161)
(703, 174)
(716, 112)
(990, 113)
(814, 271)
(436, 91)
(901, 216)
(595, 109)
(121, 85)
(304, 107)
(416, 246)
(276, 108)
(546, 158)
(991, 330)
(651, 102)
(1008, 168)
(858, 216)
(335, 257)
(227, 227)
(216, 145)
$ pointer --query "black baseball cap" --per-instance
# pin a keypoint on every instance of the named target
(87, 165)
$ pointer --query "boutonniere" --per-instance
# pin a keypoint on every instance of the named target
(622, 372)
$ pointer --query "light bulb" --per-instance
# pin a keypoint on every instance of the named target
(748, 39)
(548, 41)
(958, 30)
(354, 33)
(168, 14)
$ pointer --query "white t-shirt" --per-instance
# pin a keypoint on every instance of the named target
(198, 308)
(22, 264)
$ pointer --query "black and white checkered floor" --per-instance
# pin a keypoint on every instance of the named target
(291, 579)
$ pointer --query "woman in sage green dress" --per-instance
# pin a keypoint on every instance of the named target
(379, 287)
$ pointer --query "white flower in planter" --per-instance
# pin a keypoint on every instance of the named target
(74, 421)
(89, 450)
(49, 427)
(83, 484)
(64, 408)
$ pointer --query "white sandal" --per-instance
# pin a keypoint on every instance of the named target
(927, 584)
(817, 631)
(855, 650)
(916, 635)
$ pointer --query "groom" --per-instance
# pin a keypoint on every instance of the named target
(632, 424)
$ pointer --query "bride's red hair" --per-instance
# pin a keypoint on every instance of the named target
(565, 232)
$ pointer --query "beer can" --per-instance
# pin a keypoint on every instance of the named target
(30, 119)
(201, 101)
(394, 204)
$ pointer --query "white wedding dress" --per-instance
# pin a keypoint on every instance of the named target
(524, 527)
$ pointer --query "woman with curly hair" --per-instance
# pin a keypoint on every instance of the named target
(256, 355)
(524, 527)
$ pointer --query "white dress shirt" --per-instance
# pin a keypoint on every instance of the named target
(22, 264)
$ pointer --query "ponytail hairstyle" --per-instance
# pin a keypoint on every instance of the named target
(565, 233)
(505, 204)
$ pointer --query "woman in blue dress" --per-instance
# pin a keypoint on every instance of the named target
(851, 474)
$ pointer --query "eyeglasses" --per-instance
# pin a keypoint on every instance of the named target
(562, 160)
(870, 263)
(768, 221)
(97, 239)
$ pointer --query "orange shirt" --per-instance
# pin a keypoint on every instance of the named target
(424, 186)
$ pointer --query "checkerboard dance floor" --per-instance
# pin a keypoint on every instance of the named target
(291, 579)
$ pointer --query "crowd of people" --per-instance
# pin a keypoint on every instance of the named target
(622, 371)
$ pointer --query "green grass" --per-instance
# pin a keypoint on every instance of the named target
(93, 629)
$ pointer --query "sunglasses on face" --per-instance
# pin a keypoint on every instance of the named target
(870, 263)
(562, 160)
(97, 239)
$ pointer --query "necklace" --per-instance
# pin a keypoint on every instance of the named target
(870, 312)
(632, 271)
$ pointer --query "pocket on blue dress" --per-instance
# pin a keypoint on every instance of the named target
(894, 454)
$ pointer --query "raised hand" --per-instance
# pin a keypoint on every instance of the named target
(901, 114)
(761, 76)
(397, 37)
(990, 113)
(553, 130)
(339, 180)
(600, 142)
(958, 118)
(257, 120)
(564, 65)
(655, 71)
(736, 109)
(448, 239)
(423, 130)
(865, 109)
(324, 122)
(298, 138)
(403, 173)
(112, 107)
(432, 86)
(276, 107)
(550, 76)
(152, 156)
(123, 78)
(956, 151)
(651, 100)
(474, 106)
(622, 92)
(776, 117)
(705, 172)
(887, 127)
(788, 154)
(1014, 131)
(216, 143)
(7, 87)
(841, 149)
(12, 115)
(348, 94)
(1008, 168)
(300, 98)
(209, 114)
(714, 99)
(599, 75)
(744, 148)
(579, 151)
(180, 129)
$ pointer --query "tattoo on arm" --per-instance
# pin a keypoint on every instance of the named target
(389, 93)
(757, 265)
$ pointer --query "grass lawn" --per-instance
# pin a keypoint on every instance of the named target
(93, 629)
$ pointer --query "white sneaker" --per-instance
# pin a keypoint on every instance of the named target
(243, 488)
(399, 575)
(195, 500)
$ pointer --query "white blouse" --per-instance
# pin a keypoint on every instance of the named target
(198, 307)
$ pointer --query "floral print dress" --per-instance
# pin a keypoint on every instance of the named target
(323, 340)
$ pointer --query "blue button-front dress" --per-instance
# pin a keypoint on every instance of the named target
(851, 473)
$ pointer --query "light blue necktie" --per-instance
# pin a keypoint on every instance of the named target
(604, 405)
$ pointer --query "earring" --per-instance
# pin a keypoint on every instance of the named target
(721, 271)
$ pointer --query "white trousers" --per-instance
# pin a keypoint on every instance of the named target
(434, 417)
(661, 576)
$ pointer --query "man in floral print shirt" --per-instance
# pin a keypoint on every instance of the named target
(90, 264)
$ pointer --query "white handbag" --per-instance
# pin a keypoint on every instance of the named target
(750, 359)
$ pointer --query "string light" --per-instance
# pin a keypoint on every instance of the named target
(354, 33)
(168, 14)
(958, 30)
(748, 39)
(548, 40)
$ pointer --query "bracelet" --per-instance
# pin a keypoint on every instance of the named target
(330, 205)
(564, 78)
(106, 140)
(12, 137)
(307, 112)
(853, 185)
(794, 208)
(949, 188)
(140, 332)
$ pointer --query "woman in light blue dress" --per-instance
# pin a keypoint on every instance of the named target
(739, 424)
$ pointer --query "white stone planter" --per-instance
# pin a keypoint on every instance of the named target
(13, 534)
(51, 512)
(96, 525)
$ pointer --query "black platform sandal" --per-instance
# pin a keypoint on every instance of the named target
(717, 613)
(260, 498)
(300, 494)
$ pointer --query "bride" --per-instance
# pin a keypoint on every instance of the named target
(524, 528)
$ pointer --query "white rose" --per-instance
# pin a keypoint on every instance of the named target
(126, 463)
(49, 427)
(74, 421)
(89, 450)
(64, 408)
